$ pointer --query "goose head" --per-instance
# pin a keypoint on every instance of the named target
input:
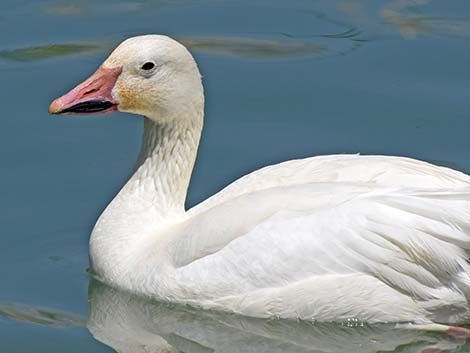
(151, 75)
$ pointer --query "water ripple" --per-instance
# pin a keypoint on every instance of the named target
(39, 316)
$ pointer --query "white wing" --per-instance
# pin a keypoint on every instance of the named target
(387, 254)
(373, 170)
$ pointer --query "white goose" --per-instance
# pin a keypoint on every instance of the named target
(330, 238)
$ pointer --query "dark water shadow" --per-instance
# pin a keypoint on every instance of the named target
(250, 47)
(244, 47)
(39, 316)
(48, 51)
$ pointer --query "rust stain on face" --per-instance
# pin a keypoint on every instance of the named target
(126, 96)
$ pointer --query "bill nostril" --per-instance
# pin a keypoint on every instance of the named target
(93, 90)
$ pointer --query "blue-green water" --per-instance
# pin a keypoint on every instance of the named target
(283, 79)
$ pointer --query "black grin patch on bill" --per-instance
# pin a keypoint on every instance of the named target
(92, 106)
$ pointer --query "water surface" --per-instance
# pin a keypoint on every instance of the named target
(283, 79)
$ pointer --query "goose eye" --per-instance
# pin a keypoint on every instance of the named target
(148, 66)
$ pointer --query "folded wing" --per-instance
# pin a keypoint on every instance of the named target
(359, 242)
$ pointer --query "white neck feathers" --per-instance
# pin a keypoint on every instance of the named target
(165, 164)
(153, 197)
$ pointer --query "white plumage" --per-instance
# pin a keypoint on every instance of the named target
(348, 242)
(379, 239)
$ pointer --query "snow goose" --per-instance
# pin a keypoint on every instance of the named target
(329, 238)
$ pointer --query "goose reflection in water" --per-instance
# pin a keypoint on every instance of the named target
(132, 324)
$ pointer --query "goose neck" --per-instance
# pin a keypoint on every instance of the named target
(165, 164)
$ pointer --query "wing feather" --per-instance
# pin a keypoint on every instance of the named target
(412, 242)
